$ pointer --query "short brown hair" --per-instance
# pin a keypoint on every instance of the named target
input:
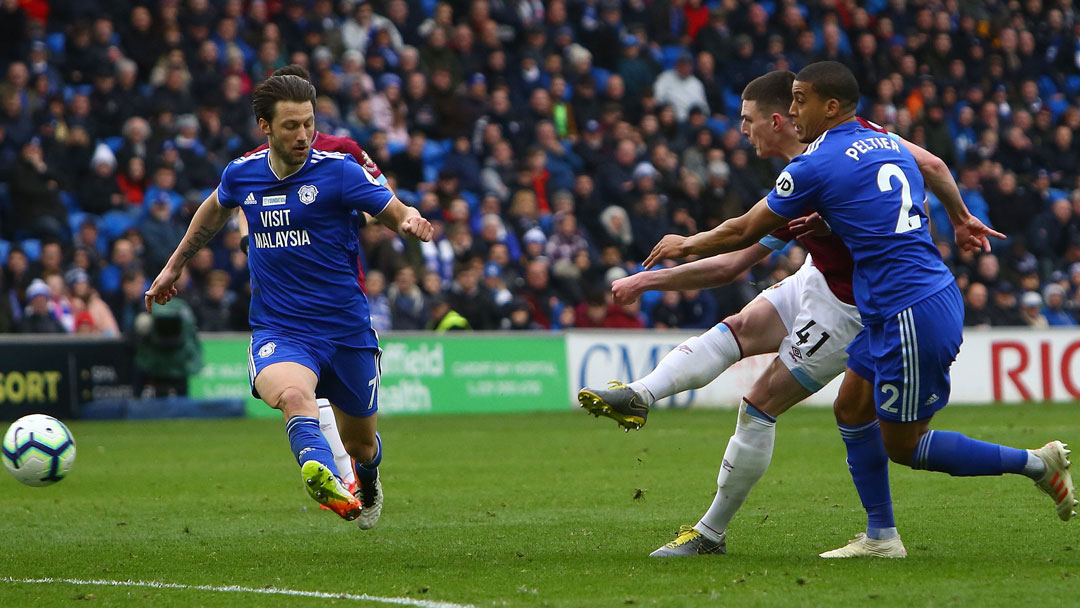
(280, 88)
(772, 92)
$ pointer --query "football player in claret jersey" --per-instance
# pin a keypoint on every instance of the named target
(869, 190)
(808, 318)
(311, 329)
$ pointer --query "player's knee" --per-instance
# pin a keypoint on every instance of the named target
(899, 450)
(294, 401)
(361, 450)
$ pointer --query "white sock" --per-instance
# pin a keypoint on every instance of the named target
(1035, 468)
(745, 461)
(328, 426)
(691, 365)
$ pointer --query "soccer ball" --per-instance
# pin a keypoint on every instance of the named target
(38, 450)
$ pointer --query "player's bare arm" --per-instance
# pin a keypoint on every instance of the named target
(700, 274)
(405, 220)
(971, 233)
(208, 220)
(734, 234)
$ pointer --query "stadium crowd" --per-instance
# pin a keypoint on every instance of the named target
(551, 144)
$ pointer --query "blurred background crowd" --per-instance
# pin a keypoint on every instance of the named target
(551, 144)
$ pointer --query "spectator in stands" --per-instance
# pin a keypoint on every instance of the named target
(1031, 304)
(976, 310)
(38, 317)
(680, 88)
(35, 191)
(100, 193)
(1003, 308)
(87, 305)
(1054, 310)
(408, 305)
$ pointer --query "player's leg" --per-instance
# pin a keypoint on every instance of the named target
(746, 458)
(284, 377)
(328, 426)
(866, 460)
(913, 353)
(757, 329)
(352, 384)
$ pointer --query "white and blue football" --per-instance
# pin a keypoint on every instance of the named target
(38, 450)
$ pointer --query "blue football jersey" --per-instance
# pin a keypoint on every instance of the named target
(303, 243)
(870, 191)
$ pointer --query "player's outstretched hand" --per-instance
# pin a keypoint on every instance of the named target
(971, 235)
(162, 289)
(809, 225)
(670, 247)
(627, 289)
(418, 227)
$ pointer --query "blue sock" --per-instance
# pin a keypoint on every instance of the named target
(869, 466)
(308, 443)
(368, 472)
(962, 456)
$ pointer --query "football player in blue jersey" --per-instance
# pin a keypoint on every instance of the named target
(869, 190)
(310, 321)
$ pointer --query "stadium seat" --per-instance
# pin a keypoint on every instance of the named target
(601, 76)
(115, 223)
(1072, 84)
(71, 202)
(75, 220)
(718, 126)
(114, 143)
(1057, 105)
(1047, 88)
(5, 249)
(56, 43)
(32, 249)
(669, 54)
(769, 6)
(733, 101)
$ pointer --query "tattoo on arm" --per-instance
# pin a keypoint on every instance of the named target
(201, 237)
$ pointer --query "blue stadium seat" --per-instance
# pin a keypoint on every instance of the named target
(114, 142)
(114, 224)
(1057, 105)
(56, 43)
(601, 76)
(32, 249)
(668, 55)
(75, 220)
(718, 126)
(1047, 88)
(5, 249)
(1072, 84)
(71, 202)
(733, 101)
(394, 147)
(769, 6)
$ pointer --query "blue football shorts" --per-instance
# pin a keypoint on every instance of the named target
(908, 356)
(348, 377)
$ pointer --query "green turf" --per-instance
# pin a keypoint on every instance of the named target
(531, 510)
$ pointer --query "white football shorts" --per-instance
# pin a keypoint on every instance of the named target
(819, 326)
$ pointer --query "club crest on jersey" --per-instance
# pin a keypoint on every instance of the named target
(785, 184)
(267, 350)
(270, 201)
(250, 200)
(307, 194)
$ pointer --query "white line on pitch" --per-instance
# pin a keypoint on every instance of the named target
(401, 601)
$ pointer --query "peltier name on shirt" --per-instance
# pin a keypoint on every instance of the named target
(869, 144)
(279, 238)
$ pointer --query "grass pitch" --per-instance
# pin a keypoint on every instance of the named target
(530, 510)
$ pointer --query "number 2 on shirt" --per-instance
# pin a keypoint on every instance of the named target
(905, 222)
